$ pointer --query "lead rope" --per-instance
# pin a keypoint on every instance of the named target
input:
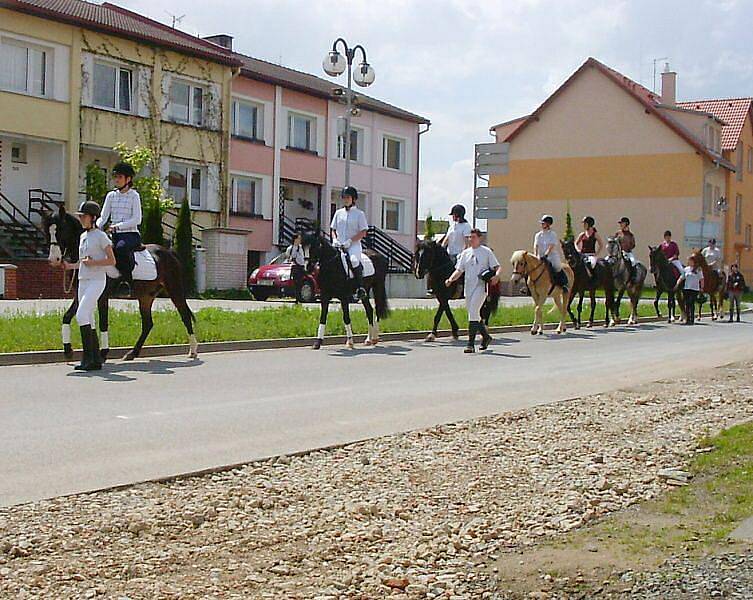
(67, 289)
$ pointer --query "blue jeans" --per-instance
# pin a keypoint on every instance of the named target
(124, 245)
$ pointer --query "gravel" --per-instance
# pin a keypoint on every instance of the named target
(416, 515)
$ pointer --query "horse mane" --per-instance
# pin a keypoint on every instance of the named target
(518, 256)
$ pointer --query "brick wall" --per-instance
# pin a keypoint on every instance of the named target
(226, 258)
(37, 279)
(9, 288)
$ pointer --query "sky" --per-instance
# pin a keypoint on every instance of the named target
(469, 64)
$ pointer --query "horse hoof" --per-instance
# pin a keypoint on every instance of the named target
(68, 351)
(317, 344)
(577, 326)
(455, 336)
(103, 354)
(193, 355)
(129, 357)
(349, 345)
(430, 338)
(541, 332)
(533, 331)
(589, 325)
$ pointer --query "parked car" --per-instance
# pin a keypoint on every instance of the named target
(274, 280)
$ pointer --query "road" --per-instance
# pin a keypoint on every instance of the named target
(67, 432)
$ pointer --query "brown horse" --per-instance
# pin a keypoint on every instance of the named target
(64, 231)
(714, 284)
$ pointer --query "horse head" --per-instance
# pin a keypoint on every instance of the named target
(572, 256)
(63, 232)
(519, 261)
(614, 249)
(428, 256)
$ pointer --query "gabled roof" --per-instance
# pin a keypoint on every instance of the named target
(114, 20)
(732, 111)
(650, 101)
(311, 84)
(508, 126)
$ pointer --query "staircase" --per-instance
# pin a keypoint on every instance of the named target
(170, 218)
(288, 227)
(399, 257)
(20, 238)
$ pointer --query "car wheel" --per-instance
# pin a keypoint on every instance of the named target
(307, 292)
(261, 296)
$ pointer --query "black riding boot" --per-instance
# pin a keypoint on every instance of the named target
(88, 362)
(486, 337)
(358, 276)
(472, 330)
(96, 353)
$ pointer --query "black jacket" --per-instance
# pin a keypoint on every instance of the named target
(736, 282)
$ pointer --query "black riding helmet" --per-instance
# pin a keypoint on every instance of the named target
(123, 168)
(89, 208)
(458, 211)
(349, 191)
(547, 219)
(589, 221)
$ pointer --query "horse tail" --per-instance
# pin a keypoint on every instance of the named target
(170, 272)
(380, 291)
(492, 300)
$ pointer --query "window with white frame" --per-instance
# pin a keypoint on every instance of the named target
(301, 132)
(248, 120)
(393, 153)
(186, 182)
(738, 213)
(186, 102)
(392, 214)
(356, 143)
(113, 87)
(25, 67)
(246, 192)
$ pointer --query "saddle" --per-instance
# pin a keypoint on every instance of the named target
(559, 278)
(366, 262)
(145, 268)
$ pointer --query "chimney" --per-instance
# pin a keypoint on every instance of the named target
(668, 86)
(224, 40)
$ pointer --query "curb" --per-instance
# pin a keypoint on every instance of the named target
(56, 356)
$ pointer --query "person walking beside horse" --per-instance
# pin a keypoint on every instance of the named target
(735, 288)
(297, 258)
(481, 269)
(692, 278)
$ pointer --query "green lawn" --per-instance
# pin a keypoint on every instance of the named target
(19, 333)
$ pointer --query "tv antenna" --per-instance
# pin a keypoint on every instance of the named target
(177, 20)
(656, 60)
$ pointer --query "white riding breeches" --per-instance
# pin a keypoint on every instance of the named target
(89, 291)
(678, 265)
(591, 259)
(474, 300)
(631, 257)
(354, 252)
(555, 261)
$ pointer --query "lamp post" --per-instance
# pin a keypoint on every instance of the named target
(335, 64)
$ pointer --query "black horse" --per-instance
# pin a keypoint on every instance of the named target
(63, 233)
(665, 280)
(335, 282)
(586, 282)
(432, 261)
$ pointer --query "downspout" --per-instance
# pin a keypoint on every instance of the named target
(227, 124)
(418, 161)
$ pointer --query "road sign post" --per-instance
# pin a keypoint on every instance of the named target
(490, 202)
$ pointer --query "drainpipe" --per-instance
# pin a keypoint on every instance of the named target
(418, 160)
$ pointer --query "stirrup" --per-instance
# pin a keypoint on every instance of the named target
(361, 293)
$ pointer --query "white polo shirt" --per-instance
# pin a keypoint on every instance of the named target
(348, 223)
(457, 235)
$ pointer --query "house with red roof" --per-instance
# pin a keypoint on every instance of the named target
(602, 145)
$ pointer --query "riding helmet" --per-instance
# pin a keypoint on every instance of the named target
(547, 219)
(458, 211)
(349, 191)
(589, 221)
(624, 220)
(89, 208)
(123, 168)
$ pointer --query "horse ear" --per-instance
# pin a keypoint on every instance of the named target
(61, 210)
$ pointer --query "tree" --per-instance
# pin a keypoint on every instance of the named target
(96, 183)
(151, 224)
(569, 234)
(429, 228)
(183, 244)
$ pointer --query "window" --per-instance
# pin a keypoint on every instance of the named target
(24, 68)
(301, 135)
(738, 213)
(186, 103)
(18, 154)
(185, 181)
(113, 87)
(246, 120)
(750, 159)
(747, 235)
(739, 166)
(356, 137)
(391, 215)
(708, 192)
(245, 192)
(393, 153)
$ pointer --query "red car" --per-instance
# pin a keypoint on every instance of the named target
(275, 280)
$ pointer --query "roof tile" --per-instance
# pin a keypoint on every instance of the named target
(732, 111)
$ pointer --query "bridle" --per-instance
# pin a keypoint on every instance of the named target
(525, 273)
(67, 286)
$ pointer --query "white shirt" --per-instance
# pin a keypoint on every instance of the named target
(543, 239)
(457, 235)
(93, 243)
(348, 223)
(692, 278)
(296, 255)
(713, 257)
(473, 262)
(122, 210)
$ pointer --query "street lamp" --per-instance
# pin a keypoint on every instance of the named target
(335, 64)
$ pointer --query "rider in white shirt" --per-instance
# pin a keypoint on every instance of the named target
(546, 246)
(713, 256)
(348, 228)
(458, 234)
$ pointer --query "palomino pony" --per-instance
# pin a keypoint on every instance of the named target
(64, 231)
(714, 285)
(665, 280)
(432, 261)
(536, 274)
(584, 282)
(626, 279)
(334, 282)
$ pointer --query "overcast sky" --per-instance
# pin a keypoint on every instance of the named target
(468, 64)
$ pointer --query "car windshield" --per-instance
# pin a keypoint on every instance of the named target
(280, 259)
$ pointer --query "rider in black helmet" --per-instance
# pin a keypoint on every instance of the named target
(458, 233)
(349, 227)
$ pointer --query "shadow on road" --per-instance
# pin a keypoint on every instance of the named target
(390, 350)
(115, 371)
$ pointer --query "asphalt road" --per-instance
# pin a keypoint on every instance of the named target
(65, 432)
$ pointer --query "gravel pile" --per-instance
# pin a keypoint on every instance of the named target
(416, 515)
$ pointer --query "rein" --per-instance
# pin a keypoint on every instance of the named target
(67, 289)
(528, 275)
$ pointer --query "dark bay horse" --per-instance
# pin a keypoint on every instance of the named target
(334, 282)
(714, 286)
(626, 279)
(64, 231)
(665, 280)
(432, 261)
(584, 282)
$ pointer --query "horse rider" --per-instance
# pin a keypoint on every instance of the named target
(713, 256)
(627, 243)
(122, 209)
(95, 255)
(589, 243)
(458, 233)
(348, 228)
(480, 267)
(672, 251)
(546, 246)
(297, 258)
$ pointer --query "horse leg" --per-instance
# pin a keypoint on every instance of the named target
(451, 318)
(580, 309)
(373, 337)
(145, 308)
(634, 299)
(539, 316)
(322, 322)
(616, 306)
(592, 297)
(65, 329)
(576, 321)
(656, 304)
(178, 298)
(559, 301)
(103, 307)
(346, 321)
(437, 317)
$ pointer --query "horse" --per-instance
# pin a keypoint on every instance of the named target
(334, 282)
(665, 280)
(714, 285)
(584, 282)
(536, 273)
(432, 261)
(626, 279)
(63, 232)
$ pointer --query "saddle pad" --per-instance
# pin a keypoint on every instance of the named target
(368, 266)
(145, 269)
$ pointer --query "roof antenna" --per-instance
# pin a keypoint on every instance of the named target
(656, 60)
(177, 19)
